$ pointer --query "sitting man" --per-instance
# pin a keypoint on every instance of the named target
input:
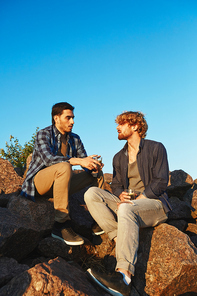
(56, 150)
(143, 167)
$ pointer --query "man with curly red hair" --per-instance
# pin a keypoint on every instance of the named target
(141, 166)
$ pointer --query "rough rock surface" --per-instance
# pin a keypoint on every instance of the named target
(10, 181)
(172, 264)
(41, 212)
(18, 237)
(166, 262)
(179, 183)
(56, 277)
(180, 209)
(10, 268)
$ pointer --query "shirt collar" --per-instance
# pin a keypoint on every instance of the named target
(56, 131)
(58, 134)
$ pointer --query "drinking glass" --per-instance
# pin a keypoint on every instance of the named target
(131, 193)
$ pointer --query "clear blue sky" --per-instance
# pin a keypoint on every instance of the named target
(103, 57)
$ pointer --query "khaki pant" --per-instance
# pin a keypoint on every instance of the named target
(59, 182)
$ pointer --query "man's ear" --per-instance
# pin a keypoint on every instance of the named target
(135, 127)
(56, 117)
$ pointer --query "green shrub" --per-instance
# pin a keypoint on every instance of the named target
(15, 153)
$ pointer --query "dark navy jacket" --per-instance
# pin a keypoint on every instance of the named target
(153, 169)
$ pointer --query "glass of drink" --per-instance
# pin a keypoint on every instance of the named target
(131, 193)
(99, 159)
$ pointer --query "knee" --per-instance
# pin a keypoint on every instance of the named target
(90, 194)
(125, 210)
(64, 167)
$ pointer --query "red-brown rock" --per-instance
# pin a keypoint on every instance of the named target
(10, 181)
(172, 264)
(56, 277)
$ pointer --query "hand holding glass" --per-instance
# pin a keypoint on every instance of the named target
(99, 159)
(131, 193)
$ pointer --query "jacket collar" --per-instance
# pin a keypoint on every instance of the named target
(125, 148)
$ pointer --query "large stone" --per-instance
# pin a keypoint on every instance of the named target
(9, 269)
(40, 213)
(180, 209)
(18, 237)
(172, 263)
(191, 196)
(100, 250)
(51, 247)
(10, 181)
(179, 183)
(56, 277)
(179, 224)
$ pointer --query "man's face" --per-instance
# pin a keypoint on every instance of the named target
(125, 131)
(64, 122)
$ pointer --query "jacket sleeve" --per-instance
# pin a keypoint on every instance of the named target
(159, 173)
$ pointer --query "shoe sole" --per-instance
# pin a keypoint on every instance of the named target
(109, 290)
(67, 242)
(98, 233)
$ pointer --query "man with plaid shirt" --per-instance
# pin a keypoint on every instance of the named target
(56, 150)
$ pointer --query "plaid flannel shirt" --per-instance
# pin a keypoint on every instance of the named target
(45, 152)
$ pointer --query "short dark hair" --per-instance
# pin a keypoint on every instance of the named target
(58, 109)
(133, 118)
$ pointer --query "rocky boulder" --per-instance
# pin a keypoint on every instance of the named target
(172, 264)
(34, 263)
(56, 277)
(10, 181)
(179, 183)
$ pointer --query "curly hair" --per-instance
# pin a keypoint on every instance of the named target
(134, 118)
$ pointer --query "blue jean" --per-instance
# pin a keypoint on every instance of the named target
(124, 222)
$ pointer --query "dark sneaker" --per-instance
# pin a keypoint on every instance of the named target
(96, 230)
(67, 235)
(113, 283)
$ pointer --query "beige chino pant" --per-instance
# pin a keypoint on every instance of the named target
(59, 182)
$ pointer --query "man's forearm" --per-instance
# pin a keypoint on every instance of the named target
(88, 162)
(75, 161)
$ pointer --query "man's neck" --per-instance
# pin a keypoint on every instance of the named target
(133, 146)
(134, 142)
(60, 130)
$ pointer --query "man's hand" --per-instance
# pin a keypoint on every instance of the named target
(91, 163)
(124, 196)
(87, 162)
